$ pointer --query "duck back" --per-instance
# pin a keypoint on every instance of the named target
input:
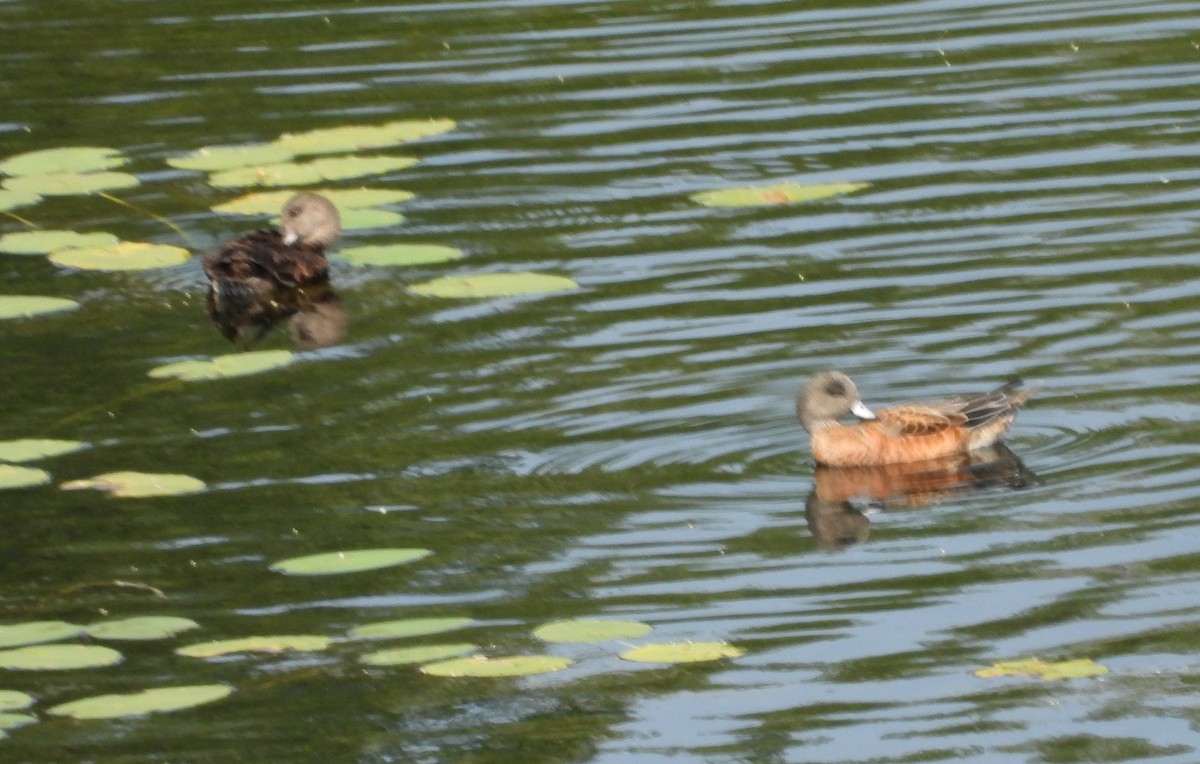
(261, 256)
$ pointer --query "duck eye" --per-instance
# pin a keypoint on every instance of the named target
(835, 390)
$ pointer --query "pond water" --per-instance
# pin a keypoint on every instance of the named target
(628, 450)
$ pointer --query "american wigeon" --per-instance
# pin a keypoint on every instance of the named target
(911, 432)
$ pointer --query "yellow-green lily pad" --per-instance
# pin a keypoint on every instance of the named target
(588, 631)
(332, 563)
(37, 632)
(136, 485)
(778, 193)
(337, 140)
(493, 285)
(270, 202)
(58, 657)
(212, 158)
(122, 256)
(1074, 669)
(277, 643)
(12, 721)
(408, 627)
(481, 666)
(144, 627)
(42, 242)
(25, 306)
(13, 700)
(366, 218)
(10, 200)
(682, 652)
(400, 254)
(224, 366)
(316, 171)
(72, 159)
(157, 700)
(70, 184)
(424, 654)
(22, 477)
(29, 449)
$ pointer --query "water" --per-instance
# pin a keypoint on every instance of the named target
(628, 450)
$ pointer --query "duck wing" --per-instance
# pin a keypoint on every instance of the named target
(263, 255)
(922, 418)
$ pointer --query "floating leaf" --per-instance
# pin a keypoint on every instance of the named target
(400, 254)
(143, 627)
(41, 242)
(361, 218)
(271, 202)
(123, 256)
(520, 665)
(347, 562)
(211, 158)
(316, 171)
(493, 285)
(224, 366)
(682, 652)
(408, 627)
(69, 184)
(72, 159)
(25, 306)
(779, 193)
(58, 657)
(10, 200)
(1075, 669)
(28, 449)
(11, 721)
(590, 631)
(136, 485)
(337, 140)
(157, 700)
(36, 632)
(22, 477)
(405, 655)
(12, 700)
(270, 644)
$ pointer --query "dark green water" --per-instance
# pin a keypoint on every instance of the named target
(628, 450)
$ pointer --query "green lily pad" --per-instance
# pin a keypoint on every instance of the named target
(12, 700)
(590, 631)
(682, 652)
(70, 184)
(212, 158)
(478, 665)
(400, 254)
(493, 285)
(338, 140)
(37, 632)
(408, 627)
(136, 485)
(157, 700)
(426, 653)
(316, 171)
(22, 477)
(123, 256)
(331, 563)
(1075, 669)
(277, 643)
(42, 242)
(10, 200)
(25, 306)
(29, 449)
(12, 721)
(72, 159)
(58, 657)
(224, 366)
(145, 627)
(366, 218)
(271, 202)
(779, 193)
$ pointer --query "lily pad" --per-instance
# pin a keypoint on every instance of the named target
(493, 285)
(270, 202)
(478, 665)
(1075, 669)
(123, 256)
(157, 700)
(337, 140)
(590, 631)
(779, 193)
(37, 632)
(10, 200)
(316, 171)
(58, 657)
(72, 159)
(29, 449)
(212, 158)
(25, 306)
(332, 563)
(408, 627)
(12, 700)
(224, 366)
(682, 652)
(365, 218)
(400, 254)
(426, 653)
(268, 644)
(12, 721)
(42, 242)
(22, 477)
(136, 485)
(144, 627)
(69, 184)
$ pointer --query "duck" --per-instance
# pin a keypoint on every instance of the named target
(912, 432)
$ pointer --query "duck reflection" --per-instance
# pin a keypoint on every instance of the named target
(315, 315)
(832, 508)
